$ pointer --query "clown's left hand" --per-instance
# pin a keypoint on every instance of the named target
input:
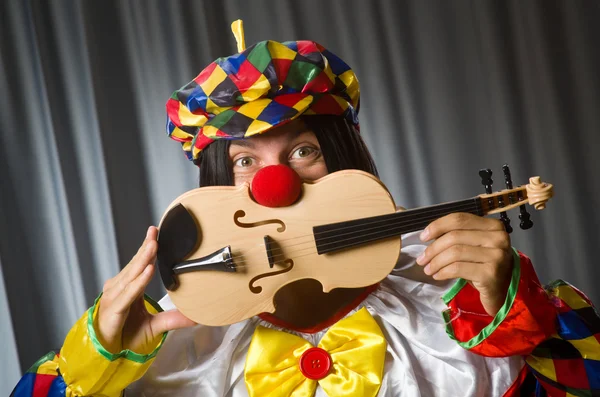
(473, 248)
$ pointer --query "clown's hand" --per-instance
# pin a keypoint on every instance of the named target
(123, 321)
(473, 248)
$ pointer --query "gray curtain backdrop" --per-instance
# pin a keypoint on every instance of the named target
(448, 87)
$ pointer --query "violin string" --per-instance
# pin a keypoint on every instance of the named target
(287, 255)
(396, 223)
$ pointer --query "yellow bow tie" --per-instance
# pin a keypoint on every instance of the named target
(348, 361)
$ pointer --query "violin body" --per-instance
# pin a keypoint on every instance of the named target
(272, 247)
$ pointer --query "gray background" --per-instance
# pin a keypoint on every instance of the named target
(448, 87)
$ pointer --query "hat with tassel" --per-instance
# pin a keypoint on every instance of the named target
(260, 87)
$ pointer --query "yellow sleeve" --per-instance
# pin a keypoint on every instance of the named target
(89, 369)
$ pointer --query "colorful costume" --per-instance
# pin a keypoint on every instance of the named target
(552, 338)
(390, 342)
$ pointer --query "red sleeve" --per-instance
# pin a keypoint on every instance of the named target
(526, 319)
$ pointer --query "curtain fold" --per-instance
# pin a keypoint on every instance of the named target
(447, 88)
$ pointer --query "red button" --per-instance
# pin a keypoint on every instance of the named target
(315, 363)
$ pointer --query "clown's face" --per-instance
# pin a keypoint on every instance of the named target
(291, 144)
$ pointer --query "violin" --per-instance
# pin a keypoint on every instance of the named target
(222, 256)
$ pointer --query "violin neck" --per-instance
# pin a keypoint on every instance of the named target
(337, 236)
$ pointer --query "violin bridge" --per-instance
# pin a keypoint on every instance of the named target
(269, 247)
(220, 260)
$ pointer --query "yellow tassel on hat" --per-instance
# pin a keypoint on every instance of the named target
(237, 27)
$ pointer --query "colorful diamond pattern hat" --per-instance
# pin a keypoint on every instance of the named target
(263, 86)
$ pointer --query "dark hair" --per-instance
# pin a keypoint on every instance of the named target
(341, 145)
(215, 166)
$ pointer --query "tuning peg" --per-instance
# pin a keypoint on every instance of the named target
(503, 217)
(524, 216)
(507, 177)
(486, 179)
(509, 185)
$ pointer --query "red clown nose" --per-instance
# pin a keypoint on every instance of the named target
(276, 186)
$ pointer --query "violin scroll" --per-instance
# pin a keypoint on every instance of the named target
(538, 192)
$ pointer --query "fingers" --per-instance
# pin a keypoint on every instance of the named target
(464, 238)
(168, 321)
(473, 248)
(123, 289)
(468, 270)
(114, 309)
(144, 256)
(480, 261)
(453, 240)
(132, 290)
(460, 221)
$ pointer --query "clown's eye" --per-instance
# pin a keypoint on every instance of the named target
(244, 162)
(303, 152)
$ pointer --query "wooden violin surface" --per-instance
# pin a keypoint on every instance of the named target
(272, 247)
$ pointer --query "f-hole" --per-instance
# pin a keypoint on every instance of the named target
(240, 214)
(256, 289)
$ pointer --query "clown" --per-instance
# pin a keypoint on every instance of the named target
(494, 332)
